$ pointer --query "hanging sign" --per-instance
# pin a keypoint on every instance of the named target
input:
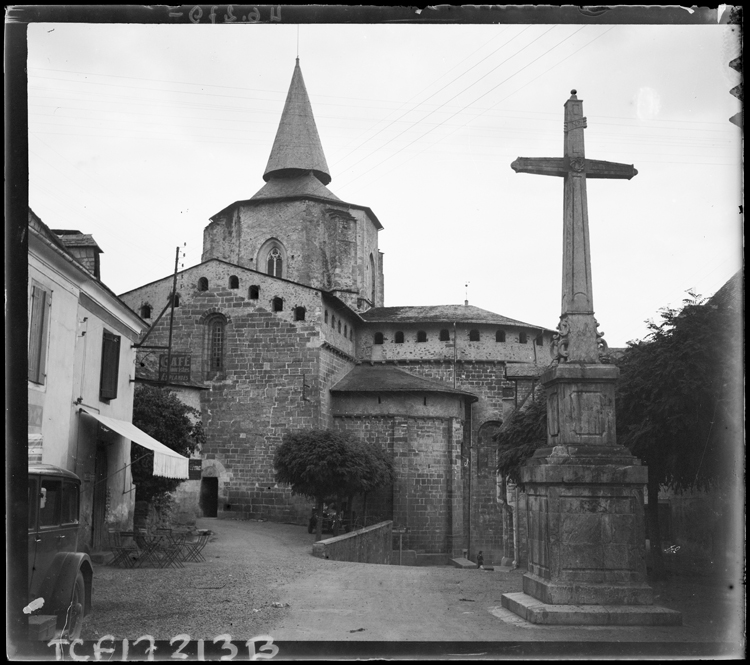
(180, 367)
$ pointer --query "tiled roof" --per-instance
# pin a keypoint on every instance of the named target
(384, 378)
(301, 185)
(441, 313)
(76, 239)
(297, 146)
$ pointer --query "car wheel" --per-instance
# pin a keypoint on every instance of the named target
(70, 621)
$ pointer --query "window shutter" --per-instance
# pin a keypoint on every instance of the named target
(38, 333)
(110, 366)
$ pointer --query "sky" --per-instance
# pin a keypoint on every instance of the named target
(138, 134)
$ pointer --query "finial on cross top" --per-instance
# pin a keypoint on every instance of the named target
(573, 93)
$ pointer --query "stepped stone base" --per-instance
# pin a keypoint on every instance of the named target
(535, 611)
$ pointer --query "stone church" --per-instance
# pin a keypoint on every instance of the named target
(283, 326)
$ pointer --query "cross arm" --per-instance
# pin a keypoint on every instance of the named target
(540, 166)
(598, 169)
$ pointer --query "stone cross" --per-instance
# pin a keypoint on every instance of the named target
(578, 340)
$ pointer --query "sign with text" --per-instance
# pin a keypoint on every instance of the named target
(195, 469)
(180, 367)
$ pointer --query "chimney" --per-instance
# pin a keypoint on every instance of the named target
(82, 247)
(466, 303)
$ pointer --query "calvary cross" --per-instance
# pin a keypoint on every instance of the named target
(578, 340)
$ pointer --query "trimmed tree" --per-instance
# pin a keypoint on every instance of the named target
(161, 414)
(319, 464)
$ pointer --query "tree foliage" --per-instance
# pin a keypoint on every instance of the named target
(326, 463)
(521, 434)
(161, 414)
(674, 398)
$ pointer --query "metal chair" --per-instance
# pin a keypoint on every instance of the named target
(194, 548)
(124, 551)
(147, 546)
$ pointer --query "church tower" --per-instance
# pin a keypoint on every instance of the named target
(294, 227)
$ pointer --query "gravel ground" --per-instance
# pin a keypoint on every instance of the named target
(251, 566)
(232, 592)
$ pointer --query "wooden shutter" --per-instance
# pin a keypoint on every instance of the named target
(38, 325)
(110, 366)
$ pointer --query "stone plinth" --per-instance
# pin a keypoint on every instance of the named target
(585, 518)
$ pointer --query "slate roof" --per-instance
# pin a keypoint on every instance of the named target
(385, 378)
(71, 238)
(301, 185)
(441, 313)
(297, 147)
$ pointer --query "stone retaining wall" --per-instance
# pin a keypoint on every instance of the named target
(369, 545)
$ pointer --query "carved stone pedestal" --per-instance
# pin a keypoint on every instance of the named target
(586, 546)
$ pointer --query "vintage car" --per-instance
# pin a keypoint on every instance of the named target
(60, 577)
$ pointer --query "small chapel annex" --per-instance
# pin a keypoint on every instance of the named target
(282, 326)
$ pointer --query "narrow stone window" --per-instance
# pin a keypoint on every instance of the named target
(275, 262)
(333, 321)
(234, 282)
(522, 338)
(421, 336)
(216, 345)
(351, 334)
(254, 292)
(326, 317)
(445, 336)
(399, 337)
(500, 336)
(339, 328)
(278, 304)
(378, 339)
(425, 400)
(346, 331)
(146, 312)
(299, 313)
(203, 284)
(473, 335)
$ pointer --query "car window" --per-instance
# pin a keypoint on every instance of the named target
(49, 503)
(33, 502)
(69, 503)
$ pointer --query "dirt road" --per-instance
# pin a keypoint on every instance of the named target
(260, 578)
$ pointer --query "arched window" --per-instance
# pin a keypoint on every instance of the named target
(421, 336)
(254, 292)
(473, 335)
(399, 338)
(445, 336)
(215, 343)
(299, 313)
(378, 339)
(203, 284)
(500, 336)
(176, 300)
(275, 262)
(145, 311)
(234, 282)
(522, 338)
(278, 304)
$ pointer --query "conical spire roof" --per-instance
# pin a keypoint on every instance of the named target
(297, 148)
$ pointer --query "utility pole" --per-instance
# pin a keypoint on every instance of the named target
(171, 315)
